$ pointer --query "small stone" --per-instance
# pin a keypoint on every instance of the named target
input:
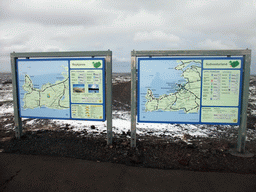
(183, 161)
(92, 127)
(134, 159)
(124, 143)
(204, 150)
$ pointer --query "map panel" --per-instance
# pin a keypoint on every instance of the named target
(219, 114)
(86, 86)
(221, 87)
(52, 89)
(43, 88)
(186, 90)
(83, 111)
(220, 64)
(86, 64)
(169, 90)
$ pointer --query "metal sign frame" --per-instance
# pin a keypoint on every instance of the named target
(66, 115)
(61, 55)
(246, 54)
(181, 120)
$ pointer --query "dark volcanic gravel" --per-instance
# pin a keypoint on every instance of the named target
(202, 154)
(121, 94)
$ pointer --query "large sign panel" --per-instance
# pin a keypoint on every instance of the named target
(62, 88)
(190, 90)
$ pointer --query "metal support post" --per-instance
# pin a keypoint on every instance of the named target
(133, 100)
(243, 124)
(109, 96)
(17, 119)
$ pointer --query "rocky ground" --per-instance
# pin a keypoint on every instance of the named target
(163, 152)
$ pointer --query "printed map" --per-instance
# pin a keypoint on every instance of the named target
(44, 88)
(50, 95)
(170, 90)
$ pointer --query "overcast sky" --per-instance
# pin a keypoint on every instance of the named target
(121, 26)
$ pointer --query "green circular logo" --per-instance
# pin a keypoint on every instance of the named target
(97, 64)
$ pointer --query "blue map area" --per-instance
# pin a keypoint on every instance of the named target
(169, 90)
(39, 80)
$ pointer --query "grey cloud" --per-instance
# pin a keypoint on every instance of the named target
(135, 5)
(54, 15)
(113, 24)
(16, 40)
(54, 19)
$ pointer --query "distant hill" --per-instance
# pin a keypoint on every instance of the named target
(5, 78)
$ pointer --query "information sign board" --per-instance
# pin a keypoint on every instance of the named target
(191, 90)
(68, 88)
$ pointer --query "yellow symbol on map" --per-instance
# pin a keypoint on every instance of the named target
(88, 115)
(234, 120)
(87, 112)
(100, 101)
(100, 117)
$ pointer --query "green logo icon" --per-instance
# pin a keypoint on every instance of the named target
(97, 64)
(234, 63)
